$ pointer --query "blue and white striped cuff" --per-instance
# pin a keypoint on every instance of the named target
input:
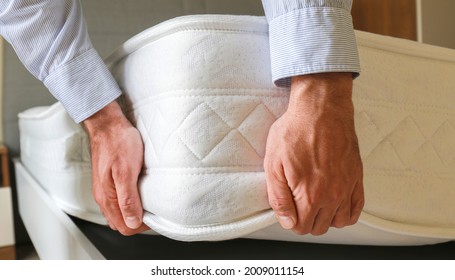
(312, 40)
(84, 85)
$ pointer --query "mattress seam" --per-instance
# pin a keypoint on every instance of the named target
(418, 174)
(406, 106)
(204, 173)
(152, 99)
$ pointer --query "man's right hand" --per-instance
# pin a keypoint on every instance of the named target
(117, 156)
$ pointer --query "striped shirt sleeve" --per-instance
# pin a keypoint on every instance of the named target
(51, 40)
(310, 36)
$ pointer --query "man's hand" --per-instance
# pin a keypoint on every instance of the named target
(313, 168)
(117, 158)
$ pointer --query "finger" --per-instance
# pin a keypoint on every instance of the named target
(306, 214)
(100, 198)
(112, 226)
(108, 201)
(116, 222)
(129, 201)
(128, 231)
(305, 220)
(343, 215)
(142, 228)
(306, 211)
(322, 221)
(357, 202)
(281, 200)
(108, 220)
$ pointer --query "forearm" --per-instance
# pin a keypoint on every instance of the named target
(51, 40)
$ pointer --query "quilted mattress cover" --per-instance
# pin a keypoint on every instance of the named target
(199, 90)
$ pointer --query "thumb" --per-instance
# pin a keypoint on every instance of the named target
(281, 200)
(128, 198)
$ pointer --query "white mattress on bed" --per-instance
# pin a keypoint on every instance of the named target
(199, 90)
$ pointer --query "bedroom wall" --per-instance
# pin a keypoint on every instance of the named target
(437, 22)
(427, 21)
(396, 18)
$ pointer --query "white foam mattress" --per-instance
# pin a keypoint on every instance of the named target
(199, 90)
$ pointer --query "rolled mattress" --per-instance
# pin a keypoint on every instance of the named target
(199, 90)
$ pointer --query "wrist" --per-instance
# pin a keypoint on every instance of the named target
(322, 91)
(109, 117)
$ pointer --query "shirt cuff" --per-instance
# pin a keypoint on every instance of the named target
(84, 85)
(312, 40)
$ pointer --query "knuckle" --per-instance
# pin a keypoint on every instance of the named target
(358, 206)
(128, 205)
(354, 218)
(98, 199)
(128, 210)
(107, 201)
(125, 231)
(319, 231)
(338, 223)
(112, 227)
(301, 231)
(352, 221)
(120, 172)
(361, 204)
(282, 206)
(314, 201)
(337, 195)
(126, 202)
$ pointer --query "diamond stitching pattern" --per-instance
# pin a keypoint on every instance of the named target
(216, 134)
(248, 128)
(407, 141)
(443, 142)
(207, 125)
(404, 143)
